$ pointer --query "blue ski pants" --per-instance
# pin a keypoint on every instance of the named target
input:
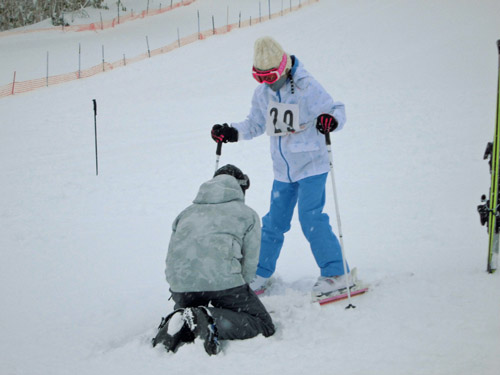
(309, 193)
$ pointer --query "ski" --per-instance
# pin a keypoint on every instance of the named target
(355, 291)
(258, 292)
(358, 288)
(489, 211)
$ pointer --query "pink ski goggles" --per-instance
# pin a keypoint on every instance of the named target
(272, 75)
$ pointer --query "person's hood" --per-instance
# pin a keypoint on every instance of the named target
(220, 189)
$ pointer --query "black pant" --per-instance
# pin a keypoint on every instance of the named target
(238, 312)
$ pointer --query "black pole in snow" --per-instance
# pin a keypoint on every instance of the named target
(95, 132)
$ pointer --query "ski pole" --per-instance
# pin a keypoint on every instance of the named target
(95, 134)
(218, 152)
(337, 210)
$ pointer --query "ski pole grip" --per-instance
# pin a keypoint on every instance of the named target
(327, 138)
(219, 149)
(95, 106)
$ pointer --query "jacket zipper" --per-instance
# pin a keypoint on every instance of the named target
(279, 146)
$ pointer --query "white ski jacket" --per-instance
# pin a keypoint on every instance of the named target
(302, 153)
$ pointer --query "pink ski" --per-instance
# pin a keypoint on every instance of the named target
(339, 297)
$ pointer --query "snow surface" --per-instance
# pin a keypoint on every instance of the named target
(81, 276)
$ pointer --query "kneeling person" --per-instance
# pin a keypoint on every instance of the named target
(212, 258)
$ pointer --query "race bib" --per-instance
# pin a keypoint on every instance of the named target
(282, 119)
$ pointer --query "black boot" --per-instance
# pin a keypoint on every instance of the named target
(173, 331)
(203, 326)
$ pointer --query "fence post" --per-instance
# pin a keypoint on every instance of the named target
(103, 57)
(47, 76)
(147, 43)
(178, 38)
(213, 26)
(199, 32)
(13, 83)
(79, 59)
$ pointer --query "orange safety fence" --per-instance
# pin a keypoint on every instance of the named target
(128, 17)
(33, 84)
(101, 25)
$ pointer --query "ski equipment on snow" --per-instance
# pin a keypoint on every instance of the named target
(489, 211)
(356, 289)
(337, 210)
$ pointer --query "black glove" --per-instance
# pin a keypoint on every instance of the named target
(326, 123)
(224, 133)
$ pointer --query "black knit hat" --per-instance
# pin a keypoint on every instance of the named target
(231, 170)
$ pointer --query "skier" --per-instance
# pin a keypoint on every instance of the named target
(290, 105)
(212, 258)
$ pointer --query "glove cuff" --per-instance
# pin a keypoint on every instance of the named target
(230, 133)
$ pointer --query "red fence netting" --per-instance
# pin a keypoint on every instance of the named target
(33, 84)
(102, 25)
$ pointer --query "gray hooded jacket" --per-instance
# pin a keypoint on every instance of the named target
(215, 242)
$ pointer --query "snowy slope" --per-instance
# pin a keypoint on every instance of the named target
(81, 276)
(127, 39)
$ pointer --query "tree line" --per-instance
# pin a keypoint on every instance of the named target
(17, 13)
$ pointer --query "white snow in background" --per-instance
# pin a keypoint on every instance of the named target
(81, 276)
